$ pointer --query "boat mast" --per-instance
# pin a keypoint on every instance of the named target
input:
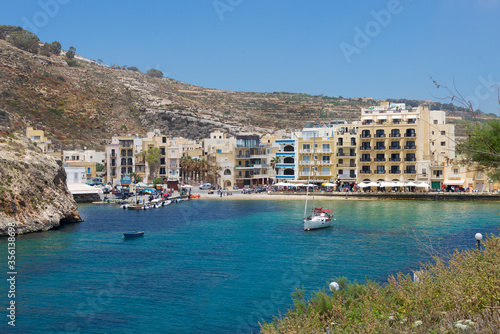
(313, 167)
(309, 178)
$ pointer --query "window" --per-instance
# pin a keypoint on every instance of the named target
(306, 158)
(437, 173)
(432, 132)
(380, 169)
(306, 147)
(88, 170)
(326, 147)
(162, 170)
(326, 171)
(326, 158)
(443, 133)
(443, 143)
(455, 171)
(435, 121)
(306, 170)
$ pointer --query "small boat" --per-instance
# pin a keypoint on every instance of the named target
(319, 217)
(130, 235)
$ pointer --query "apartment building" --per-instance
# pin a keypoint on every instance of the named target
(251, 161)
(120, 158)
(170, 155)
(219, 152)
(399, 143)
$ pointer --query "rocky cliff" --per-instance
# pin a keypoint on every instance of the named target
(33, 191)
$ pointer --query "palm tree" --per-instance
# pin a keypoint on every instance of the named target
(186, 166)
(214, 171)
(274, 161)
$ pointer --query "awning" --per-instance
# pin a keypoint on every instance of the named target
(411, 116)
(453, 182)
(382, 117)
(82, 189)
(367, 117)
(396, 117)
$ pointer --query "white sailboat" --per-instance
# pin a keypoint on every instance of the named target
(319, 217)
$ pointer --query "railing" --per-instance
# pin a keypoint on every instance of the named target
(409, 135)
(394, 147)
(379, 171)
(305, 151)
(366, 159)
(410, 159)
(379, 159)
(365, 148)
(347, 165)
(394, 172)
(380, 147)
(365, 136)
(243, 157)
(395, 159)
(395, 135)
(410, 147)
(410, 171)
(365, 171)
(305, 162)
(346, 154)
(346, 176)
(380, 135)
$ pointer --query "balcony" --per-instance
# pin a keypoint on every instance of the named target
(394, 147)
(243, 167)
(395, 159)
(410, 171)
(394, 171)
(395, 135)
(243, 157)
(379, 135)
(410, 135)
(365, 148)
(366, 159)
(303, 162)
(365, 171)
(346, 165)
(365, 136)
(305, 151)
(346, 176)
(410, 159)
(380, 148)
(345, 154)
(379, 160)
(410, 147)
(379, 171)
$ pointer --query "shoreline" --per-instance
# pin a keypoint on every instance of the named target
(432, 196)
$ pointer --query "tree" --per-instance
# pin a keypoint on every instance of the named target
(152, 157)
(214, 171)
(481, 148)
(99, 61)
(70, 54)
(155, 73)
(55, 47)
(135, 177)
(46, 50)
(25, 40)
(6, 30)
(133, 68)
(274, 161)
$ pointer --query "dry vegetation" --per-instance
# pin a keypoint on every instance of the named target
(461, 295)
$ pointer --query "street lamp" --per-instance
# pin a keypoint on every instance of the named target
(478, 237)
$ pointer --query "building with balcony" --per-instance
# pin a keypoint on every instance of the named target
(399, 143)
(120, 158)
(251, 159)
(219, 152)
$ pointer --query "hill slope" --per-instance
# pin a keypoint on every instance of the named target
(86, 105)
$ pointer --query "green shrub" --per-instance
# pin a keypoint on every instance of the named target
(460, 295)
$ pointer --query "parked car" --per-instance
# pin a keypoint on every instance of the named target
(205, 186)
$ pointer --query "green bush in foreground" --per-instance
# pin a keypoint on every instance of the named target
(461, 295)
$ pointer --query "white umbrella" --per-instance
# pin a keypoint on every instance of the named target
(373, 184)
(299, 185)
(423, 185)
(398, 184)
(311, 185)
(186, 186)
(362, 185)
(411, 184)
(329, 185)
(282, 184)
(386, 184)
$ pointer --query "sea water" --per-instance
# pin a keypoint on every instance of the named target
(219, 266)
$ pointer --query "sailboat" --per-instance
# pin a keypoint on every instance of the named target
(319, 217)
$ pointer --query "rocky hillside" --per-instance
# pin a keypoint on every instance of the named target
(33, 191)
(86, 103)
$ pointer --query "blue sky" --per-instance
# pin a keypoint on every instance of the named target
(379, 49)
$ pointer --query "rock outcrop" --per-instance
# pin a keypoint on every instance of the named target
(33, 191)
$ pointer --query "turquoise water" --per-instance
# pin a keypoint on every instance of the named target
(219, 266)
